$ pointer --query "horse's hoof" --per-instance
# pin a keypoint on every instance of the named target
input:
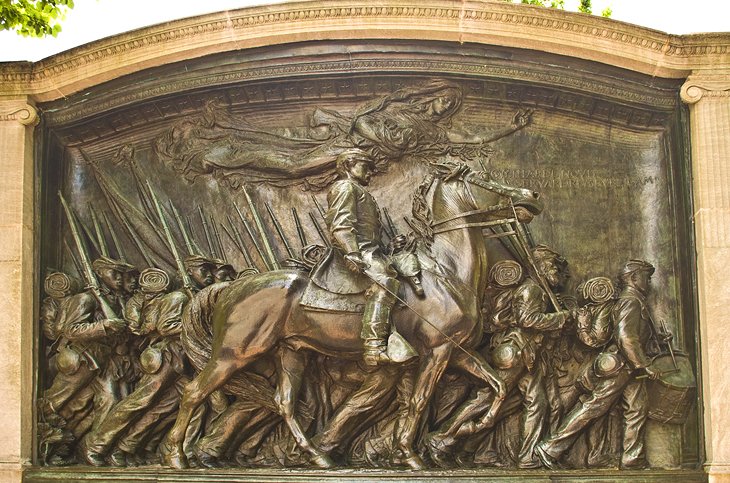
(439, 453)
(323, 461)
(173, 456)
(414, 462)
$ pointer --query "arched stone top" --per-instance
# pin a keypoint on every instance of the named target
(483, 22)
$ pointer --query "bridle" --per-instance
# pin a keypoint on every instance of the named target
(489, 185)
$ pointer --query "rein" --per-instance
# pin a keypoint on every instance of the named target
(490, 209)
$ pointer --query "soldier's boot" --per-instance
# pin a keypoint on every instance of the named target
(376, 326)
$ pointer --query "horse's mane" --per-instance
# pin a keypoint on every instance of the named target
(422, 221)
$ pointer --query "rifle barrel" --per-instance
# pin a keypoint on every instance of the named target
(260, 227)
(279, 231)
(300, 228)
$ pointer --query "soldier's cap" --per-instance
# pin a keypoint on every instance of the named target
(222, 264)
(106, 263)
(634, 265)
(543, 252)
(194, 261)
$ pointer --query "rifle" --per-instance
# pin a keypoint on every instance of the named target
(183, 231)
(235, 237)
(87, 272)
(115, 238)
(300, 229)
(321, 233)
(279, 231)
(274, 264)
(207, 232)
(186, 281)
(99, 232)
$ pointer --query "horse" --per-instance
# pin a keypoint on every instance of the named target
(261, 315)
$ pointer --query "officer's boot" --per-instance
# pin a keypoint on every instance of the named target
(376, 326)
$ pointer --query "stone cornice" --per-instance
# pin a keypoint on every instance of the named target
(496, 23)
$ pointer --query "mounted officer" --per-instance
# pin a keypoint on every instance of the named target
(353, 221)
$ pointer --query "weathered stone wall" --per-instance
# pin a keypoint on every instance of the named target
(703, 60)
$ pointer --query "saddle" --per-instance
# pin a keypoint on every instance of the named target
(333, 287)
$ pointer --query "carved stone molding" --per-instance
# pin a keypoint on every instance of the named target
(496, 23)
(701, 86)
(26, 115)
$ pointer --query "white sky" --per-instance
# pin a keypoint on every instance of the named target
(94, 19)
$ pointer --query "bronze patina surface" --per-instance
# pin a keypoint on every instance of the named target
(375, 259)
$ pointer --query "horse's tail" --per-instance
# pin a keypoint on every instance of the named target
(197, 339)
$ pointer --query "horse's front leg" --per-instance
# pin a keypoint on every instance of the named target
(462, 423)
(290, 368)
(431, 370)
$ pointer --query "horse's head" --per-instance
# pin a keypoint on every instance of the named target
(453, 197)
(525, 202)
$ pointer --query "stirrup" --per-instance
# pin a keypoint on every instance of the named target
(375, 356)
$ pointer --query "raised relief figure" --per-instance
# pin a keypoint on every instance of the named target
(615, 374)
(324, 357)
(353, 220)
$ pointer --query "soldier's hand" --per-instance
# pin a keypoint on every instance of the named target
(651, 373)
(355, 263)
(397, 243)
(114, 325)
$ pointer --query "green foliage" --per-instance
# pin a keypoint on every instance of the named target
(33, 18)
(585, 5)
(544, 3)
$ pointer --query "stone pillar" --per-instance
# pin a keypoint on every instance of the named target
(708, 95)
(17, 121)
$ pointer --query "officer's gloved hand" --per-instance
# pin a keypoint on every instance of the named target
(397, 244)
(355, 263)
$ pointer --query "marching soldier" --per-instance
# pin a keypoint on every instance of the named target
(88, 334)
(200, 270)
(613, 375)
(518, 356)
(157, 315)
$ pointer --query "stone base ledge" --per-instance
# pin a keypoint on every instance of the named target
(158, 474)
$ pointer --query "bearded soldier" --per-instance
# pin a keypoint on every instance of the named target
(614, 376)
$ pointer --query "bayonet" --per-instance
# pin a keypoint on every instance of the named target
(319, 207)
(260, 227)
(217, 242)
(279, 231)
(87, 272)
(99, 232)
(300, 228)
(238, 236)
(181, 227)
(206, 230)
(186, 281)
(238, 243)
(115, 239)
(321, 232)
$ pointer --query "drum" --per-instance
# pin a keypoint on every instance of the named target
(672, 394)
